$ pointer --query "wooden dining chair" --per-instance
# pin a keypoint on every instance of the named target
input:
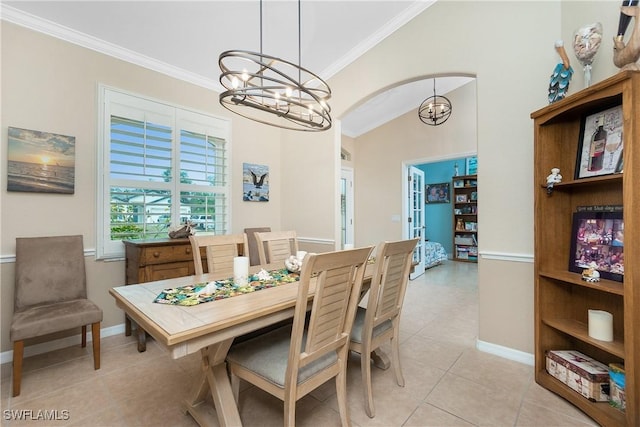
(50, 295)
(380, 321)
(292, 361)
(254, 256)
(220, 251)
(276, 246)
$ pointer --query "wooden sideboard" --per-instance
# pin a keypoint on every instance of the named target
(148, 260)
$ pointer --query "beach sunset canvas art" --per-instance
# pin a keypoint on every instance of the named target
(40, 162)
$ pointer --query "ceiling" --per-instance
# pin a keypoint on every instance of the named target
(184, 38)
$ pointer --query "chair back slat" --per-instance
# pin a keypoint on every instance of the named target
(220, 251)
(276, 246)
(391, 293)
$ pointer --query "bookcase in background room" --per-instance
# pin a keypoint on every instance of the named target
(562, 299)
(465, 218)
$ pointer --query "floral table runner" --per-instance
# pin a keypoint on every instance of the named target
(210, 291)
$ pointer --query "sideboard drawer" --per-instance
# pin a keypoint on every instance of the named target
(170, 270)
(165, 254)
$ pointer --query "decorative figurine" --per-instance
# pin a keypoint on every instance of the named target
(626, 56)
(182, 231)
(561, 77)
(293, 264)
(552, 179)
(590, 274)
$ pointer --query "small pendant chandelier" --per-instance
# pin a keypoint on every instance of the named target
(273, 91)
(434, 110)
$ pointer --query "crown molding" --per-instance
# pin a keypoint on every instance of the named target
(416, 8)
(35, 23)
(32, 22)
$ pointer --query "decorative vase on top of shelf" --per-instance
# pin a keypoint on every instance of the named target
(586, 42)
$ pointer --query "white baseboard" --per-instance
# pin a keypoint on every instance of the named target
(506, 352)
(45, 347)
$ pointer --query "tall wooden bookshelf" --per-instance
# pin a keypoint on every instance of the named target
(562, 298)
(464, 197)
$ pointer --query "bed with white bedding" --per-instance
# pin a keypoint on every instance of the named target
(434, 254)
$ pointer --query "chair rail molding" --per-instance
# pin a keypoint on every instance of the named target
(506, 256)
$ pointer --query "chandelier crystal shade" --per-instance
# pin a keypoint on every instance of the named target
(273, 91)
(434, 110)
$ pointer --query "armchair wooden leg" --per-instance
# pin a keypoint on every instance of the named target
(84, 336)
(95, 336)
(18, 353)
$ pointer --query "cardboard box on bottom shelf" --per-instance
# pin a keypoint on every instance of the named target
(583, 374)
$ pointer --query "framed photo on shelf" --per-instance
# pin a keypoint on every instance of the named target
(600, 145)
(597, 241)
(437, 193)
(458, 183)
(461, 198)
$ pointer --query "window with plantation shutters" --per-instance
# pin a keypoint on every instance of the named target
(160, 165)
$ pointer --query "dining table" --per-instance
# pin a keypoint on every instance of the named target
(210, 328)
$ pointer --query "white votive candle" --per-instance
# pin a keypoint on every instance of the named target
(241, 270)
(601, 325)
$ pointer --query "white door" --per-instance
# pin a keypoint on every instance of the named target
(346, 207)
(415, 221)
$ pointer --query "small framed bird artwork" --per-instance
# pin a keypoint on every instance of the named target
(255, 182)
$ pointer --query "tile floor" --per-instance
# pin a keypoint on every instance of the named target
(448, 381)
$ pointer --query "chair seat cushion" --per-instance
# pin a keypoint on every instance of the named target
(358, 325)
(48, 318)
(267, 356)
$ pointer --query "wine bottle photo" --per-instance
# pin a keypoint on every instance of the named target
(601, 143)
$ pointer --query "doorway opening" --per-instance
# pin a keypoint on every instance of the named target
(346, 207)
(437, 217)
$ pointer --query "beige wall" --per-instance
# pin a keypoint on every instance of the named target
(50, 85)
(508, 46)
(382, 151)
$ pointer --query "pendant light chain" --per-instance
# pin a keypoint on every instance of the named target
(299, 44)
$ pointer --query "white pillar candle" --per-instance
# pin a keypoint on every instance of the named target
(348, 246)
(300, 255)
(601, 325)
(241, 270)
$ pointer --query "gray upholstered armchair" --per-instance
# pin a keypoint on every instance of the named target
(51, 295)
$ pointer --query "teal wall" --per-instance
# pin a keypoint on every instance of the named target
(438, 217)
